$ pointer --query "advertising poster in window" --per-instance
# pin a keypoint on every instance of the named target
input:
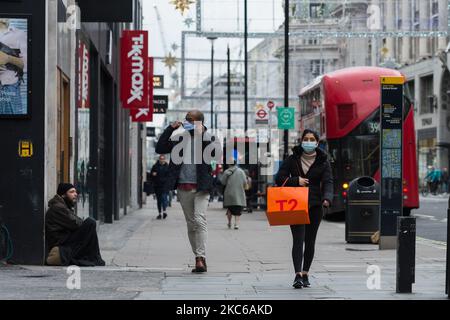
(83, 123)
(14, 84)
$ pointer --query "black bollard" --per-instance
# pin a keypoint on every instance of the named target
(406, 253)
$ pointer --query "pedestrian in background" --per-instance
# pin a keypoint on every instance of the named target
(434, 179)
(159, 175)
(307, 167)
(248, 191)
(191, 177)
(234, 181)
(444, 180)
(213, 192)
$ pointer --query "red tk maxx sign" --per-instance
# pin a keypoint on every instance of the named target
(134, 65)
(83, 76)
(145, 114)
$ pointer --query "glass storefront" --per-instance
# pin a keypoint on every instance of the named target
(427, 155)
(83, 162)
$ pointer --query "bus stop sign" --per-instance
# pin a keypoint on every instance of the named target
(391, 205)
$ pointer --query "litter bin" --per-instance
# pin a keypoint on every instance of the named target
(362, 210)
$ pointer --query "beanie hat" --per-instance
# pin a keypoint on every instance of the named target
(64, 187)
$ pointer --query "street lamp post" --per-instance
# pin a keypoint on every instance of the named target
(286, 72)
(229, 89)
(245, 69)
(212, 79)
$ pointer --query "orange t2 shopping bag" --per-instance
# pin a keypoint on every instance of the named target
(287, 206)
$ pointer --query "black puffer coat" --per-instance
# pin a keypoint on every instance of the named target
(166, 144)
(161, 180)
(319, 175)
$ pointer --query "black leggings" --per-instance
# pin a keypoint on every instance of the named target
(305, 235)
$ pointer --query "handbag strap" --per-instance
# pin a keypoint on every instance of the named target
(299, 171)
(228, 177)
(298, 167)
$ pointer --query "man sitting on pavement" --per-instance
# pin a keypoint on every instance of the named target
(72, 240)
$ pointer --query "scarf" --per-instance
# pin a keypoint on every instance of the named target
(307, 160)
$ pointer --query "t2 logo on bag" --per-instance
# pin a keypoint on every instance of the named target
(287, 204)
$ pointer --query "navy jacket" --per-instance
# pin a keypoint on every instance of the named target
(166, 144)
(161, 180)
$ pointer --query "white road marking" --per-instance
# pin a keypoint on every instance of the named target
(425, 216)
(437, 199)
(433, 243)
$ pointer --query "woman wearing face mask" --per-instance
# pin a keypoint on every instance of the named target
(307, 167)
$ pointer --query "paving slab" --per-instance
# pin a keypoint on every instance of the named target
(150, 259)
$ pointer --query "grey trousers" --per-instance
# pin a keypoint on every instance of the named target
(194, 206)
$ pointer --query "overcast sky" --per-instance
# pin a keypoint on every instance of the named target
(218, 15)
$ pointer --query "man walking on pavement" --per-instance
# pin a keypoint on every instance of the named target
(190, 174)
(159, 175)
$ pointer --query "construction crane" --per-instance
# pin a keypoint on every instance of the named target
(169, 60)
(161, 30)
(241, 49)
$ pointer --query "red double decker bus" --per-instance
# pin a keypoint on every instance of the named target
(344, 107)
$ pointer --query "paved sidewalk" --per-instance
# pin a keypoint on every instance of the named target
(151, 259)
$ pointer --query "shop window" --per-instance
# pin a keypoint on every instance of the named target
(427, 155)
(427, 99)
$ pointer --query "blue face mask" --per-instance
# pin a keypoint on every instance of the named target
(188, 126)
(309, 146)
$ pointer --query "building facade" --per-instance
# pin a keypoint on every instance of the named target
(75, 130)
(421, 59)
(424, 63)
(309, 56)
(107, 148)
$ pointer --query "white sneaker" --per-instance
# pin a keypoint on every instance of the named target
(236, 227)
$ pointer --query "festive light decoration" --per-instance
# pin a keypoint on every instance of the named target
(301, 34)
(182, 5)
(170, 61)
(188, 22)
